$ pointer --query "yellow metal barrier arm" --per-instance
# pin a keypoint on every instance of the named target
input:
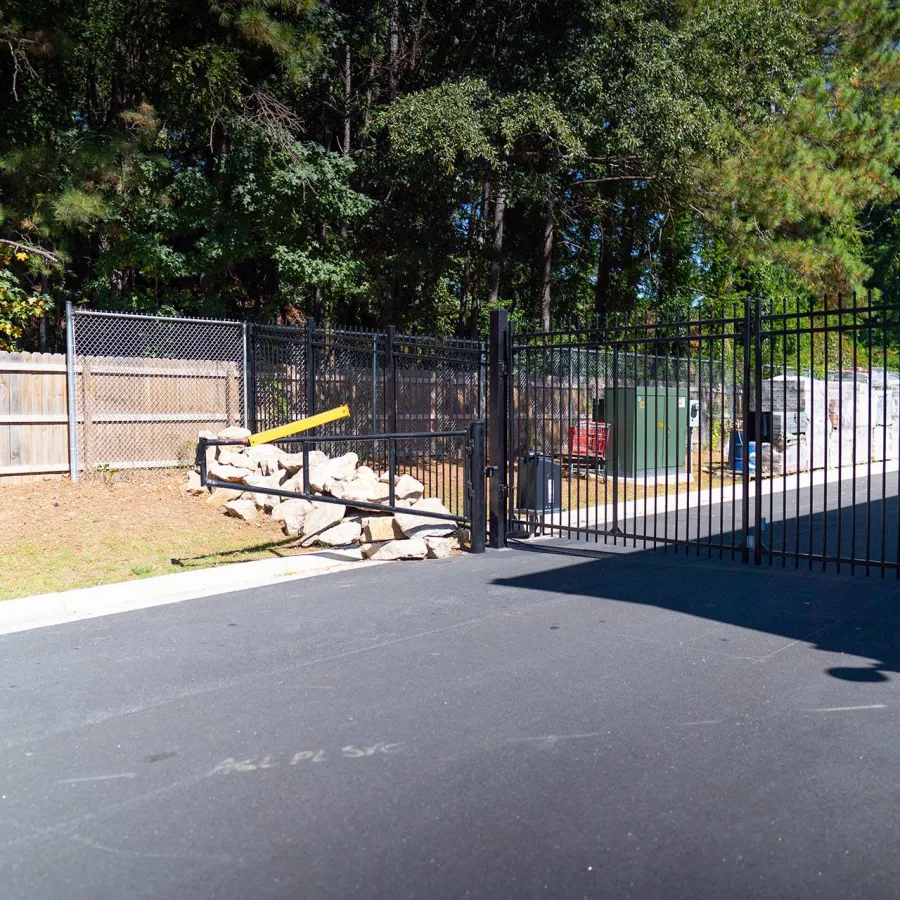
(283, 431)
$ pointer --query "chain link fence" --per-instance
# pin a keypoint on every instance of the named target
(391, 382)
(145, 386)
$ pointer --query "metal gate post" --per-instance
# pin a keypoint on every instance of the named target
(246, 375)
(251, 376)
(310, 367)
(390, 363)
(498, 418)
(757, 432)
(745, 412)
(71, 405)
(477, 493)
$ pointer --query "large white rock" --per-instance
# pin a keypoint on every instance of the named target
(423, 527)
(293, 514)
(322, 517)
(293, 482)
(380, 528)
(318, 478)
(345, 532)
(241, 509)
(335, 488)
(256, 478)
(440, 547)
(363, 489)
(366, 472)
(267, 481)
(411, 549)
(293, 462)
(234, 433)
(408, 488)
(264, 451)
(193, 486)
(210, 451)
(231, 456)
(268, 466)
(235, 474)
(341, 467)
(462, 536)
(217, 495)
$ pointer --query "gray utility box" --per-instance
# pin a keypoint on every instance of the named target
(649, 430)
(540, 484)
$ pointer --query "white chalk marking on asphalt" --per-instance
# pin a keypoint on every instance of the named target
(97, 778)
(703, 722)
(551, 739)
(93, 845)
(849, 708)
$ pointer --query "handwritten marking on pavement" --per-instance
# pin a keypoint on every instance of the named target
(550, 739)
(230, 765)
(849, 708)
(96, 778)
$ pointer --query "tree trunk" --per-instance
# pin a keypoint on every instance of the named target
(474, 248)
(346, 83)
(392, 303)
(394, 50)
(668, 260)
(318, 302)
(603, 300)
(497, 243)
(547, 258)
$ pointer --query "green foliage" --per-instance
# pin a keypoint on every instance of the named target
(18, 307)
(375, 161)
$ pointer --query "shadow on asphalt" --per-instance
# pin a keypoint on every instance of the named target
(834, 612)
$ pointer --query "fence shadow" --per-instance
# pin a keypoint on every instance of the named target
(203, 560)
(852, 615)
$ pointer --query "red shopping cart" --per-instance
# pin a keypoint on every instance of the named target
(587, 444)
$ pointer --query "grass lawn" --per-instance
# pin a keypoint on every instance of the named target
(55, 535)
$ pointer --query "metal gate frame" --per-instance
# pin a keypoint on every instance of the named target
(752, 355)
(475, 513)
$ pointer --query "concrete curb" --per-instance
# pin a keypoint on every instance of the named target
(43, 610)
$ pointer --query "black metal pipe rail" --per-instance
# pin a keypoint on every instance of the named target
(475, 496)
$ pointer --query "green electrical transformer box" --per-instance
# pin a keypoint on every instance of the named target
(648, 434)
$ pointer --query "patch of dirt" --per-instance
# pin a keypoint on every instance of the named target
(56, 535)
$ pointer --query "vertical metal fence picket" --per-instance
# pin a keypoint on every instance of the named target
(755, 432)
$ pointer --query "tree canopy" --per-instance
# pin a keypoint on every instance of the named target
(368, 162)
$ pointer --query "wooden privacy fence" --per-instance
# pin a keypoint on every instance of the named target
(146, 413)
(33, 418)
(131, 412)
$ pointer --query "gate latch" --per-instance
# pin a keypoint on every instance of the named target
(490, 471)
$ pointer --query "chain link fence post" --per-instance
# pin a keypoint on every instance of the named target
(70, 393)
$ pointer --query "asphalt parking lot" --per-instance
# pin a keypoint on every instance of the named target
(521, 724)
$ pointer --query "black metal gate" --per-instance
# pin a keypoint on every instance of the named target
(756, 433)
(391, 382)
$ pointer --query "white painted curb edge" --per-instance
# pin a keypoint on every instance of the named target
(42, 610)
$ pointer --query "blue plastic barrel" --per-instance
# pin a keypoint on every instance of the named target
(736, 453)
